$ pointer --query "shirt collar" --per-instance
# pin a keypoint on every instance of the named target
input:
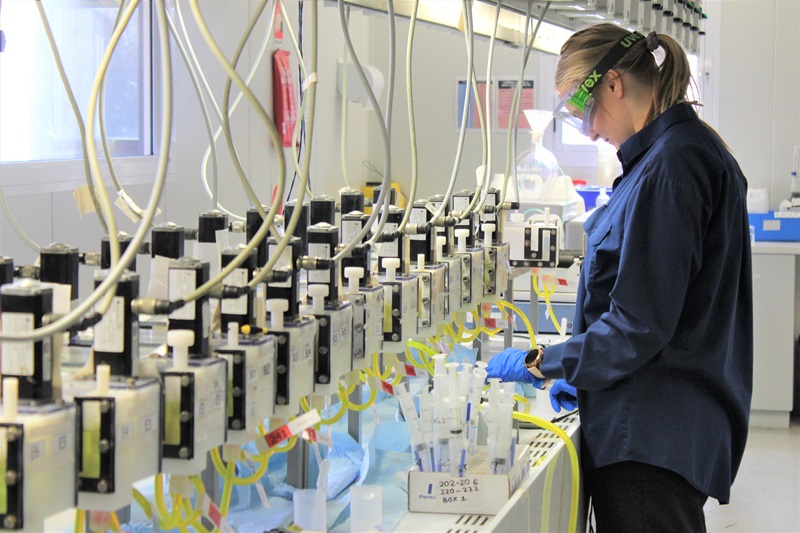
(632, 149)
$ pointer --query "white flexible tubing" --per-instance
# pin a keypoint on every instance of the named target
(91, 147)
(343, 134)
(467, 8)
(200, 72)
(259, 109)
(14, 224)
(513, 124)
(226, 125)
(487, 168)
(303, 106)
(106, 286)
(209, 93)
(303, 185)
(203, 106)
(384, 214)
(384, 137)
(412, 130)
(76, 111)
(528, 49)
(102, 115)
(256, 64)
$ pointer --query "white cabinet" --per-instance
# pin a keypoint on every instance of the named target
(775, 328)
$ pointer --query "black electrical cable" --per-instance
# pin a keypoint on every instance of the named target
(302, 137)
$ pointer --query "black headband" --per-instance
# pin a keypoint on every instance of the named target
(609, 60)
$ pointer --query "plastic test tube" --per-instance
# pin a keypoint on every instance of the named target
(426, 416)
(422, 453)
(502, 448)
(479, 376)
(456, 442)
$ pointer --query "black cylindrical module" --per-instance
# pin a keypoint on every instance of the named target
(376, 192)
(352, 200)
(6, 270)
(185, 275)
(322, 241)
(253, 223)
(288, 290)
(209, 224)
(323, 209)
(460, 202)
(394, 247)
(492, 200)
(24, 305)
(59, 264)
(352, 224)
(116, 336)
(301, 230)
(424, 243)
(440, 231)
(105, 250)
(241, 310)
(167, 240)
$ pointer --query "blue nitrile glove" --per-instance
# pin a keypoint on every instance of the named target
(509, 365)
(562, 394)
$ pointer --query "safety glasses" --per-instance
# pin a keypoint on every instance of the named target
(576, 108)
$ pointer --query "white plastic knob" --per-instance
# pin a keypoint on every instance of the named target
(461, 239)
(318, 292)
(233, 334)
(353, 275)
(276, 308)
(420, 261)
(391, 264)
(488, 229)
(180, 340)
(10, 398)
(103, 373)
(440, 242)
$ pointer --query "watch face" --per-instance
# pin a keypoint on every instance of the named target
(533, 358)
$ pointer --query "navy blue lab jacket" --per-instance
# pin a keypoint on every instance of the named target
(662, 350)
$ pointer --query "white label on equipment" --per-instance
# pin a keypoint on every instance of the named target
(108, 333)
(182, 283)
(350, 230)
(418, 217)
(322, 251)
(461, 204)
(284, 262)
(17, 355)
(236, 306)
(390, 249)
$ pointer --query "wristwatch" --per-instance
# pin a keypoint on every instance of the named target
(533, 360)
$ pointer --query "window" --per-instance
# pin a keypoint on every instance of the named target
(37, 122)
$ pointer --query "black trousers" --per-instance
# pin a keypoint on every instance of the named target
(637, 497)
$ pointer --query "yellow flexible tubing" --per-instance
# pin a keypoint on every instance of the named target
(227, 488)
(524, 401)
(546, 294)
(373, 395)
(504, 304)
(263, 463)
(573, 456)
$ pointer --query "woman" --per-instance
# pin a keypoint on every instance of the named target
(661, 354)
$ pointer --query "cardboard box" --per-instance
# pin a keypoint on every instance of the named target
(477, 492)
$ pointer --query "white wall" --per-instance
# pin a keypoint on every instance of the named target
(439, 60)
(51, 216)
(758, 73)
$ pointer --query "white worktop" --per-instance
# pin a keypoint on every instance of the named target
(776, 247)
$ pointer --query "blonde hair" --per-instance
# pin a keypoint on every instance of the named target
(669, 81)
